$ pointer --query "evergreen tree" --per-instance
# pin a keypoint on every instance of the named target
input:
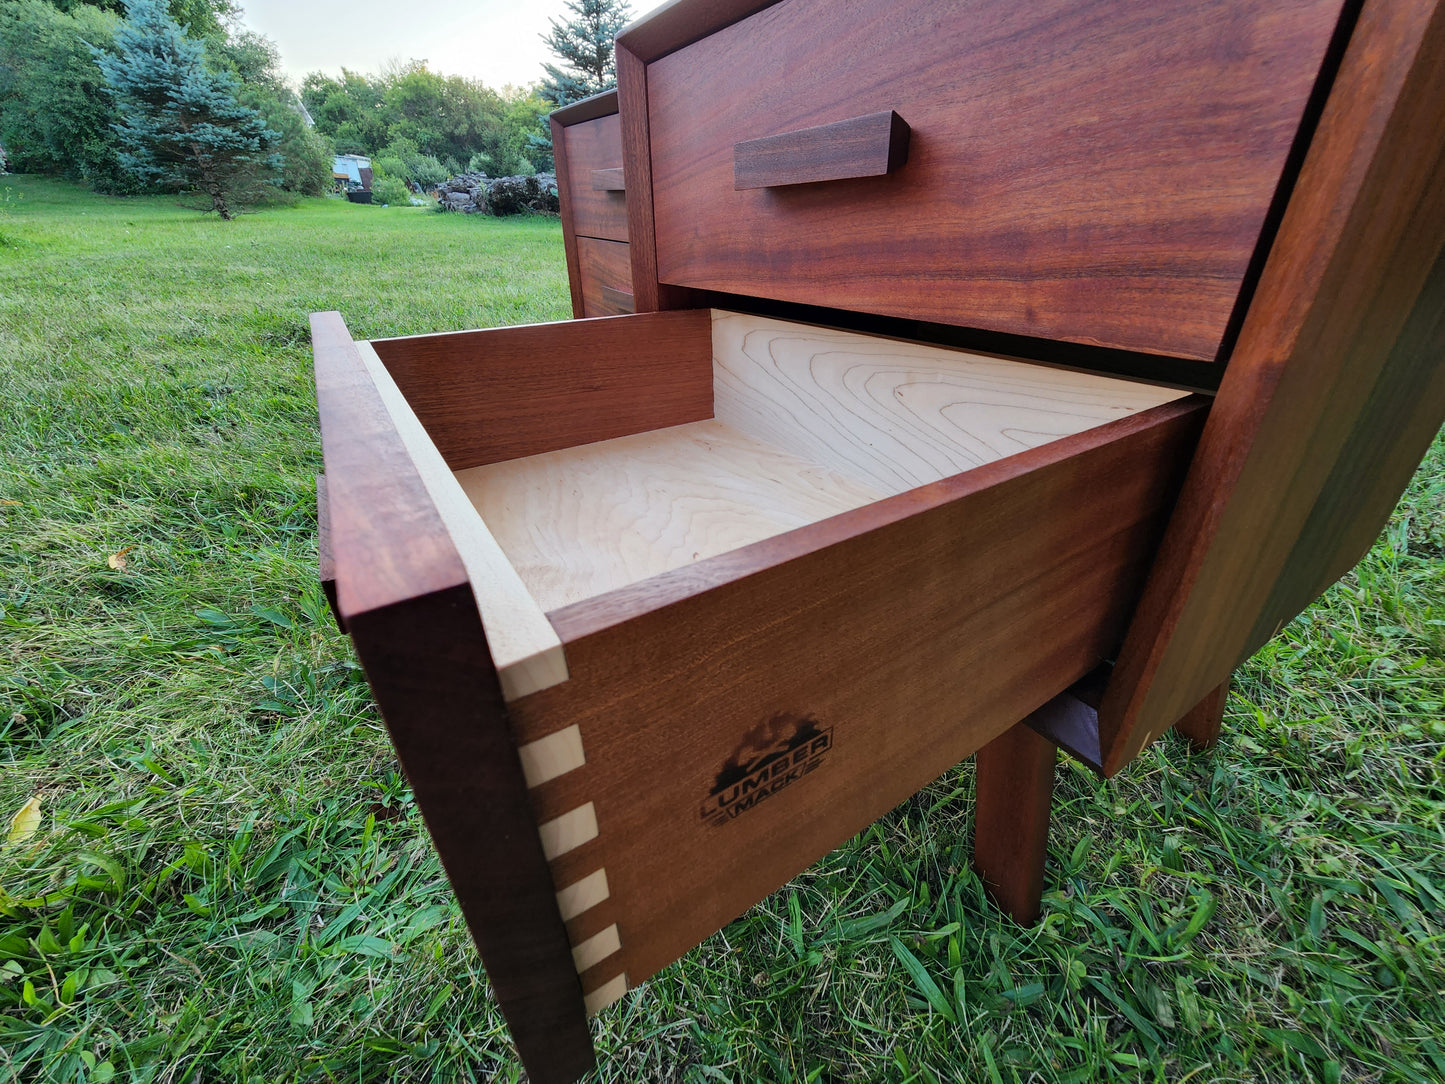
(180, 122)
(584, 45)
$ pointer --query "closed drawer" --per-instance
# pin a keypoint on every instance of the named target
(745, 585)
(1096, 171)
(606, 273)
(594, 165)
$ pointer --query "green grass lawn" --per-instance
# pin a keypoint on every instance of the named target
(230, 881)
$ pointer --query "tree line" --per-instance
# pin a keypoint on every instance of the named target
(133, 96)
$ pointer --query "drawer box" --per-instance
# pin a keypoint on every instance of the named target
(1093, 172)
(740, 586)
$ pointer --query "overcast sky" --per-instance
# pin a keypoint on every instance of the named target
(496, 41)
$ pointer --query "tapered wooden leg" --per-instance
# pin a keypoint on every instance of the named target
(1201, 723)
(1015, 786)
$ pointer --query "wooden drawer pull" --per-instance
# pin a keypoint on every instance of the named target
(867, 146)
(608, 180)
(620, 300)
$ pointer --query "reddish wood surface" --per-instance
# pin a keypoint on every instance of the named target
(1013, 790)
(610, 180)
(682, 22)
(618, 300)
(1200, 724)
(592, 146)
(565, 200)
(409, 608)
(598, 105)
(918, 628)
(1110, 192)
(1333, 394)
(502, 393)
(325, 565)
(650, 295)
(606, 272)
(867, 146)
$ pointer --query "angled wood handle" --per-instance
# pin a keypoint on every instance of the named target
(608, 180)
(866, 146)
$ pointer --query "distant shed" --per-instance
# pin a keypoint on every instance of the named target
(352, 169)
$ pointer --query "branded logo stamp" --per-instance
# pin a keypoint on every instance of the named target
(772, 755)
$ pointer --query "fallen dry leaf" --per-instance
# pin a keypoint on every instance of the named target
(24, 823)
(117, 560)
(4, 501)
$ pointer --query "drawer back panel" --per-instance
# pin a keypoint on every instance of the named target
(1094, 171)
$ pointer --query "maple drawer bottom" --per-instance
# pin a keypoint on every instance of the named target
(661, 608)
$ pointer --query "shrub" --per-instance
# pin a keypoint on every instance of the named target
(392, 190)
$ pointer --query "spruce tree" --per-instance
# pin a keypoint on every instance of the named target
(180, 123)
(584, 44)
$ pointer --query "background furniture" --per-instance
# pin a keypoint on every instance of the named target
(587, 146)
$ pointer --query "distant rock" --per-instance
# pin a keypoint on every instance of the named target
(478, 194)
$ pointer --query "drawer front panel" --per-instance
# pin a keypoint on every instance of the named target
(606, 271)
(595, 145)
(1096, 171)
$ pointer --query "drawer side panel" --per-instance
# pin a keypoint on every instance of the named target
(745, 715)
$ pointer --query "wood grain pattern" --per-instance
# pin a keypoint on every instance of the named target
(579, 522)
(621, 301)
(503, 393)
(403, 591)
(810, 422)
(1109, 193)
(611, 180)
(524, 647)
(1013, 792)
(1334, 392)
(606, 271)
(867, 146)
(682, 22)
(918, 628)
(893, 414)
(594, 147)
(569, 230)
(651, 295)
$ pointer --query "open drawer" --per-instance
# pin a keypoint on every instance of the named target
(661, 608)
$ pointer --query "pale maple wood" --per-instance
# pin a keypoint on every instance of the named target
(556, 754)
(525, 648)
(579, 522)
(894, 414)
(810, 422)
